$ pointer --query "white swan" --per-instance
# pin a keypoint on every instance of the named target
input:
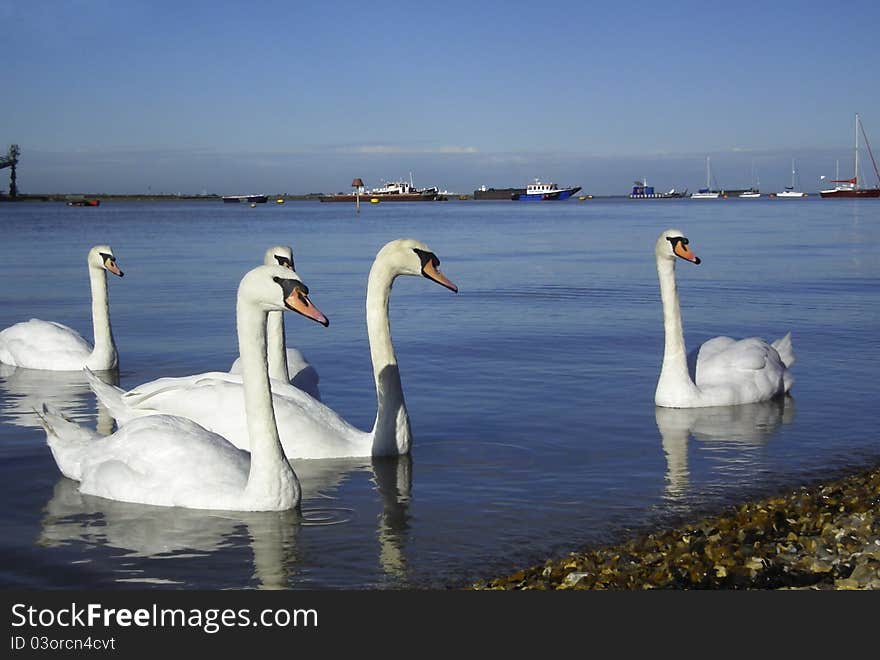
(165, 460)
(308, 428)
(284, 363)
(723, 371)
(37, 344)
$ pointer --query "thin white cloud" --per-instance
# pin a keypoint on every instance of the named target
(393, 149)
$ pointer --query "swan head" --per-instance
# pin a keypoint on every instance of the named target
(278, 289)
(101, 257)
(673, 243)
(408, 256)
(279, 255)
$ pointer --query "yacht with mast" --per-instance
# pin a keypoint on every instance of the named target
(851, 187)
(755, 191)
(790, 191)
(707, 192)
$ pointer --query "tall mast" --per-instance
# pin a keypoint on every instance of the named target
(856, 177)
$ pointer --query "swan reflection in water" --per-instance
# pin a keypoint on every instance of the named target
(23, 390)
(743, 426)
(169, 533)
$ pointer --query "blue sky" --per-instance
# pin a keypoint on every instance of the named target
(150, 95)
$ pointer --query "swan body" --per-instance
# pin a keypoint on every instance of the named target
(300, 372)
(307, 427)
(37, 344)
(723, 371)
(284, 363)
(166, 460)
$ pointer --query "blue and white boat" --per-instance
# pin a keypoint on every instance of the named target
(539, 191)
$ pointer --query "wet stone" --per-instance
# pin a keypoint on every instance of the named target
(820, 537)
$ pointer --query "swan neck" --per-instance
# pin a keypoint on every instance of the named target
(277, 346)
(674, 375)
(104, 352)
(270, 476)
(391, 432)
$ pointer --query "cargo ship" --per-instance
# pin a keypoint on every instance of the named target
(497, 193)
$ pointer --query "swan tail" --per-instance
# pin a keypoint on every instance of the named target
(786, 351)
(109, 395)
(67, 440)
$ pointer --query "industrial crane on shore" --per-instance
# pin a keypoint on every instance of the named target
(10, 160)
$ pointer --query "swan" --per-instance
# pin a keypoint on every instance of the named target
(308, 428)
(284, 363)
(165, 460)
(37, 344)
(725, 371)
(279, 358)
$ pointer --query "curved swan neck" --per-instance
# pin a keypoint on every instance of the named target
(674, 375)
(271, 479)
(104, 353)
(391, 432)
(277, 346)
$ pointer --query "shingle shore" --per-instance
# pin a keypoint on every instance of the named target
(825, 536)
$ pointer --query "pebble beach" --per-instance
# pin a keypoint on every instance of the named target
(824, 536)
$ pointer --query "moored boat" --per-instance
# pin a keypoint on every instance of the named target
(791, 191)
(851, 188)
(392, 191)
(540, 191)
(249, 199)
(84, 202)
(641, 190)
(497, 193)
(707, 192)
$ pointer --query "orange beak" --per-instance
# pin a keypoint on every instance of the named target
(683, 251)
(110, 265)
(299, 302)
(433, 273)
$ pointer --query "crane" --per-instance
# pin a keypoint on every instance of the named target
(10, 160)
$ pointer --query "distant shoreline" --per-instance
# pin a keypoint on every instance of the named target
(310, 197)
(67, 197)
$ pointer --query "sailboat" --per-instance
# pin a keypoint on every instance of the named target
(790, 190)
(753, 192)
(851, 187)
(706, 193)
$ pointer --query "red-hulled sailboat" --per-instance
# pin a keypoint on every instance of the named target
(851, 187)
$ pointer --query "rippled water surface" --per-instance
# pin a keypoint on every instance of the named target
(530, 392)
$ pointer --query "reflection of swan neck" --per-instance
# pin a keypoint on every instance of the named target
(277, 346)
(272, 542)
(394, 482)
(674, 426)
(104, 354)
(271, 480)
(391, 431)
(674, 375)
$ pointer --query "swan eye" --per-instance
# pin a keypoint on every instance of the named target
(284, 261)
(427, 257)
(288, 286)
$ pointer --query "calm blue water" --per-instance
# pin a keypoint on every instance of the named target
(530, 392)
